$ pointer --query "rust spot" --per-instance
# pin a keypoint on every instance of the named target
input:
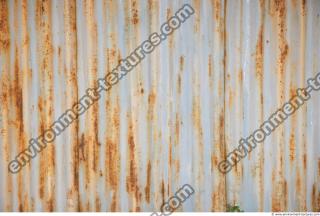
(147, 188)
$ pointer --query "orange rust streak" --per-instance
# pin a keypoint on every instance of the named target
(70, 29)
(132, 178)
(260, 75)
(45, 50)
(4, 96)
(92, 146)
(278, 191)
(113, 155)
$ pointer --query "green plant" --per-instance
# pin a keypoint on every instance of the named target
(233, 208)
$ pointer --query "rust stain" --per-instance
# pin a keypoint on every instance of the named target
(319, 167)
(151, 103)
(4, 26)
(16, 96)
(170, 39)
(163, 191)
(292, 148)
(294, 3)
(181, 63)
(315, 198)
(5, 100)
(210, 71)
(197, 5)
(147, 188)
(278, 8)
(177, 128)
(45, 50)
(132, 178)
(134, 11)
(217, 9)
(72, 97)
(218, 198)
(92, 147)
(259, 54)
(292, 144)
(304, 161)
(303, 2)
(85, 148)
(181, 68)
(113, 155)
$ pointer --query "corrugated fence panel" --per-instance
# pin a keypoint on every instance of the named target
(173, 118)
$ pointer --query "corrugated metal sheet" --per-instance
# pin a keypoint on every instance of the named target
(172, 119)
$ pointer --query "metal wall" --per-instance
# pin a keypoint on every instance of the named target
(173, 118)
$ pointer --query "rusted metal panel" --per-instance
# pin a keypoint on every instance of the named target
(173, 118)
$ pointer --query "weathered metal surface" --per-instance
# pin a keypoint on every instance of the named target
(172, 119)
